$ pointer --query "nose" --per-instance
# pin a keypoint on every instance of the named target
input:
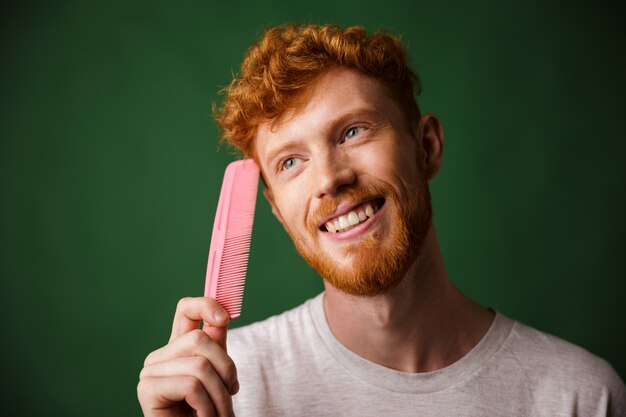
(333, 172)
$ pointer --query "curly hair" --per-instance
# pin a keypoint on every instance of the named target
(278, 71)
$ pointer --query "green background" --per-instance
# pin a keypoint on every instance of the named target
(110, 174)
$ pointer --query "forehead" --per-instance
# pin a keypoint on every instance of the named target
(337, 93)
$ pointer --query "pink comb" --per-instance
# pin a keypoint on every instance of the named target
(232, 230)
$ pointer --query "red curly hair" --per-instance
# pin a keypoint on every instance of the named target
(278, 71)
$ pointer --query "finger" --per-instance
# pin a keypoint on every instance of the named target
(191, 311)
(156, 393)
(197, 343)
(201, 369)
(218, 334)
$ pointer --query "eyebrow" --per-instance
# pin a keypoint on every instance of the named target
(293, 144)
(330, 126)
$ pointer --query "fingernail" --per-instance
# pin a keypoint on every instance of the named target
(220, 315)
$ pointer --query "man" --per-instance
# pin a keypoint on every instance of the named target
(330, 117)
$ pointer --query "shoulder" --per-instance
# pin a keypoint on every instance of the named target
(557, 355)
(555, 367)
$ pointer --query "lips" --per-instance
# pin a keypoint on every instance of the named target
(351, 216)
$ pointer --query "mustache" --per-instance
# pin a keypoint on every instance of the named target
(352, 194)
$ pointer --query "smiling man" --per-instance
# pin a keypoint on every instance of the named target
(345, 181)
(329, 114)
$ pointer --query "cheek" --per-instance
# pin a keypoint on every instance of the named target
(282, 203)
(291, 208)
(389, 160)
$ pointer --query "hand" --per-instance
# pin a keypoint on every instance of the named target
(192, 375)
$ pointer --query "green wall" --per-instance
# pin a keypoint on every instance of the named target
(110, 174)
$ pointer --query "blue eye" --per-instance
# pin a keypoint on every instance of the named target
(288, 163)
(352, 132)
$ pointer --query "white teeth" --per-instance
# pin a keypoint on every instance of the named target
(351, 219)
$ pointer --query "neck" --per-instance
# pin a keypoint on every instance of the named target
(423, 324)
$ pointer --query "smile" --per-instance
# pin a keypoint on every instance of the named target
(354, 217)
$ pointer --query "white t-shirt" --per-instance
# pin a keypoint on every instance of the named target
(291, 365)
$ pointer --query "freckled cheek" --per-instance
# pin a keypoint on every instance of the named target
(365, 161)
(403, 159)
(394, 165)
(384, 162)
(292, 211)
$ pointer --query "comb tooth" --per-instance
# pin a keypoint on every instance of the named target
(239, 239)
(232, 278)
(233, 295)
(232, 274)
(237, 246)
(240, 253)
(229, 283)
(231, 301)
(233, 281)
(240, 249)
(234, 264)
(235, 288)
(233, 270)
(232, 255)
(235, 259)
(236, 249)
(230, 298)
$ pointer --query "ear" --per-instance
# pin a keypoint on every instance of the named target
(430, 138)
(269, 196)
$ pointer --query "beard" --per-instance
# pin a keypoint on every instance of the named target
(377, 262)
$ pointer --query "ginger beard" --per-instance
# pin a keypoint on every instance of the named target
(376, 264)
